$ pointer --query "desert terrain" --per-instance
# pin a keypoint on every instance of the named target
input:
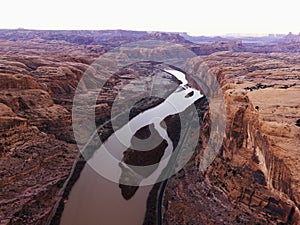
(254, 179)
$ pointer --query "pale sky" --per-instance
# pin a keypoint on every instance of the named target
(197, 17)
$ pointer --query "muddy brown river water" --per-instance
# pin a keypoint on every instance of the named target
(95, 200)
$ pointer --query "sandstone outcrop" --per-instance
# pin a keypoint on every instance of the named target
(37, 145)
(253, 180)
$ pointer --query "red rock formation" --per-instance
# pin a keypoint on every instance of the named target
(253, 175)
(254, 179)
(36, 137)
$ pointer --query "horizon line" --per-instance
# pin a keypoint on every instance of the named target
(229, 34)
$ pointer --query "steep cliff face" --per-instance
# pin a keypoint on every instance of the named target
(37, 147)
(38, 79)
(254, 178)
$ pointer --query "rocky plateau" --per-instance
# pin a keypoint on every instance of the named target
(254, 179)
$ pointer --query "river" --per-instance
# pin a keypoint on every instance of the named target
(94, 200)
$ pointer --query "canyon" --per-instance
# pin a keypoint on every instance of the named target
(253, 179)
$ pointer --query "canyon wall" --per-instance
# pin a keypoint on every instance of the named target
(37, 146)
(254, 178)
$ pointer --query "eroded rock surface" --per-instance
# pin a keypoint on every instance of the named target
(37, 146)
(39, 73)
(254, 179)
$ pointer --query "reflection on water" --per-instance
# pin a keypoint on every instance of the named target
(95, 200)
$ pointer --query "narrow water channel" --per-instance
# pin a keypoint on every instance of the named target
(94, 200)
